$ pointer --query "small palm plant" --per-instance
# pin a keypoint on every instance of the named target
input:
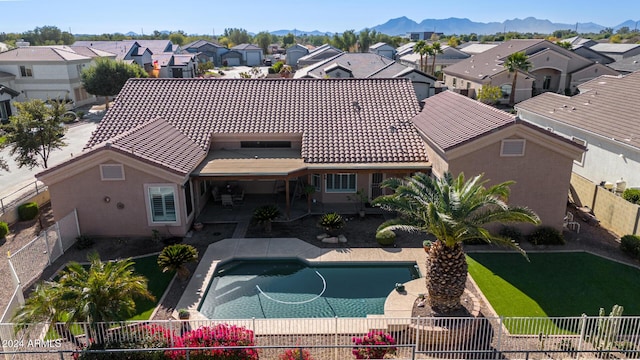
(175, 257)
(265, 215)
(331, 222)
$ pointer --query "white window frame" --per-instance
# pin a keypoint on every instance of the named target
(506, 141)
(583, 143)
(148, 188)
(103, 166)
(342, 189)
(26, 71)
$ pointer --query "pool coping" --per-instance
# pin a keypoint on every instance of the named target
(278, 248)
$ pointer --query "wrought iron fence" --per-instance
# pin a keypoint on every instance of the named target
(11, 200)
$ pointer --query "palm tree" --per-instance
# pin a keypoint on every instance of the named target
(437, 49)
(453, 210)
(418, 48)
(515, 62)
(103, 292)
(175, 257)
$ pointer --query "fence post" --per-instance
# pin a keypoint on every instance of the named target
(418, 331)
(2, 205)
(59, 238)
(335, 352)
(499, 342)
(15, 277)
(583, 328)
(75, 213)
(46, 243)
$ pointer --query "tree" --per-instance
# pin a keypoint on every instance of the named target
(103, 292)
(419, 48)
(107, 77)
(436, 49)
(452, 210)
(3, 163)
(515, 62)
(175, 257)
(489, 94)
(35, 131)
(263, 39)
(237, 36)
(365, 39)
(178, 38)
(453, 41)
(565, 44)
(288, 40)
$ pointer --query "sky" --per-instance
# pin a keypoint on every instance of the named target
(207, 17)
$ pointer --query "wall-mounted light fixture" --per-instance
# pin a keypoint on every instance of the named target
(107, 199)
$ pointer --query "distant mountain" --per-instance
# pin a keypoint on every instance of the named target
(134, 34)
(632, 25)
(403, 25)
(300, 32)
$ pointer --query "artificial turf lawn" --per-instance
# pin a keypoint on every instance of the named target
(158, 283)
(554, 284)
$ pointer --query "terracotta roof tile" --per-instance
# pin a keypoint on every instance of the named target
(341, 121)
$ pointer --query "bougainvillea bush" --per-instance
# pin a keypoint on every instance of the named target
(374, 338)
(295, 354)
(219, 335)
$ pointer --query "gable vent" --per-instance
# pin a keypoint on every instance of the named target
(111, 172)
(512, 147)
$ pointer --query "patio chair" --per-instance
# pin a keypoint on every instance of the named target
(215, 194)
(238, 198)
(227, 200)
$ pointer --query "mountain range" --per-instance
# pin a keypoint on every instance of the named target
(403, 25)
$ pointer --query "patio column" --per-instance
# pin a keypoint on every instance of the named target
(287, 197)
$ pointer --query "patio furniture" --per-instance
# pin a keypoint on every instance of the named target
(215, 194)
(238, 198)
(227, 200)
(570, 224)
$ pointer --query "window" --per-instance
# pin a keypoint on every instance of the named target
(506, 90)
(162, 203)
(341, 183)
(547, 83)
(5, 111)
(187, 196)
(512, 147)
(583, 143)
(454, 82)
(111, 172)
(26, 71)
(315, 182)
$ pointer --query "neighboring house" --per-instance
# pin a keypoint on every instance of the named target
(318, 54)
(554, 69)
(177, 66)
(50, 72)
(605, 117)
(7, 93)
(148, 163)
(405, 49)
(294, 53)
(251, 54)
(475, 48)
(125, 50)
(464, 135)
(422, 35)
(617, 51)
(448, 57)
(368, 65)
(592, 55)
(626, 65)
(383, 49)
(231, 58)
(578, 41)
(206, 51)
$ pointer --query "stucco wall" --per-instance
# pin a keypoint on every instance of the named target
(11, 216)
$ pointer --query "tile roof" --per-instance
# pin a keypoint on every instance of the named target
(246, 47)
(42, 53)
(90, 52)
(119, 48)
(490, 62)
(614, 48)
(199, 43)
(341, 121)
(607, 105)
(450, 119)
(157, 46)
(630, 64)
(361, 65)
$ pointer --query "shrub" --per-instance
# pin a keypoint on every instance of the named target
(374, 338)
(83, 242)
(546, 235)
(4, 229)
(630, 244)
(219, 335)
(277, 67)
(80, 114)
(331, 222)
(175, 257)
(385, 237)
(266, 213)
(295, 354)
(28, 211)
(511, 232)
(145, 337)
(632, 195)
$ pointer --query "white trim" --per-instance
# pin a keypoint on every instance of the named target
(103, 166)
(176, 201)
(512, 141)
(342, 190)
(583, 143)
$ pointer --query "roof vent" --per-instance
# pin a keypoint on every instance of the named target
(356, 106)
(573, 108)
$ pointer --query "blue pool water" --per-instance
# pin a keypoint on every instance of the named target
(292, 289)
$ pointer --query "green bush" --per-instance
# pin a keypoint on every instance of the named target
(277, 67)
(511, 232)
(546, 235)
(385, 237)
(28, 211)
(630, 244)
(331, 222)
(266, 213)
(4, 229)
(83, 242)
(632, 195)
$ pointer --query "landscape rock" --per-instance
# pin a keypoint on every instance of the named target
(330, 240)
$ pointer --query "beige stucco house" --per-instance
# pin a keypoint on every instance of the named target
(465, 135)
(554, 69)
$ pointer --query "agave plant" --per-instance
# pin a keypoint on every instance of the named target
(265, 215)
(175, 257)
(331, 222)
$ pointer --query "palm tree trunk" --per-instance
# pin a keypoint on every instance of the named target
(446, 276)
(512, 96)
(433, 66)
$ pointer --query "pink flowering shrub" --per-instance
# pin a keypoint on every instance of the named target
(373, 338)
(295, 354)
(219, 335)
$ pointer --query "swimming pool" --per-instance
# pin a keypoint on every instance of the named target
(244, 289)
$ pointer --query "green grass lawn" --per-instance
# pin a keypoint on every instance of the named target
(554, 284)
